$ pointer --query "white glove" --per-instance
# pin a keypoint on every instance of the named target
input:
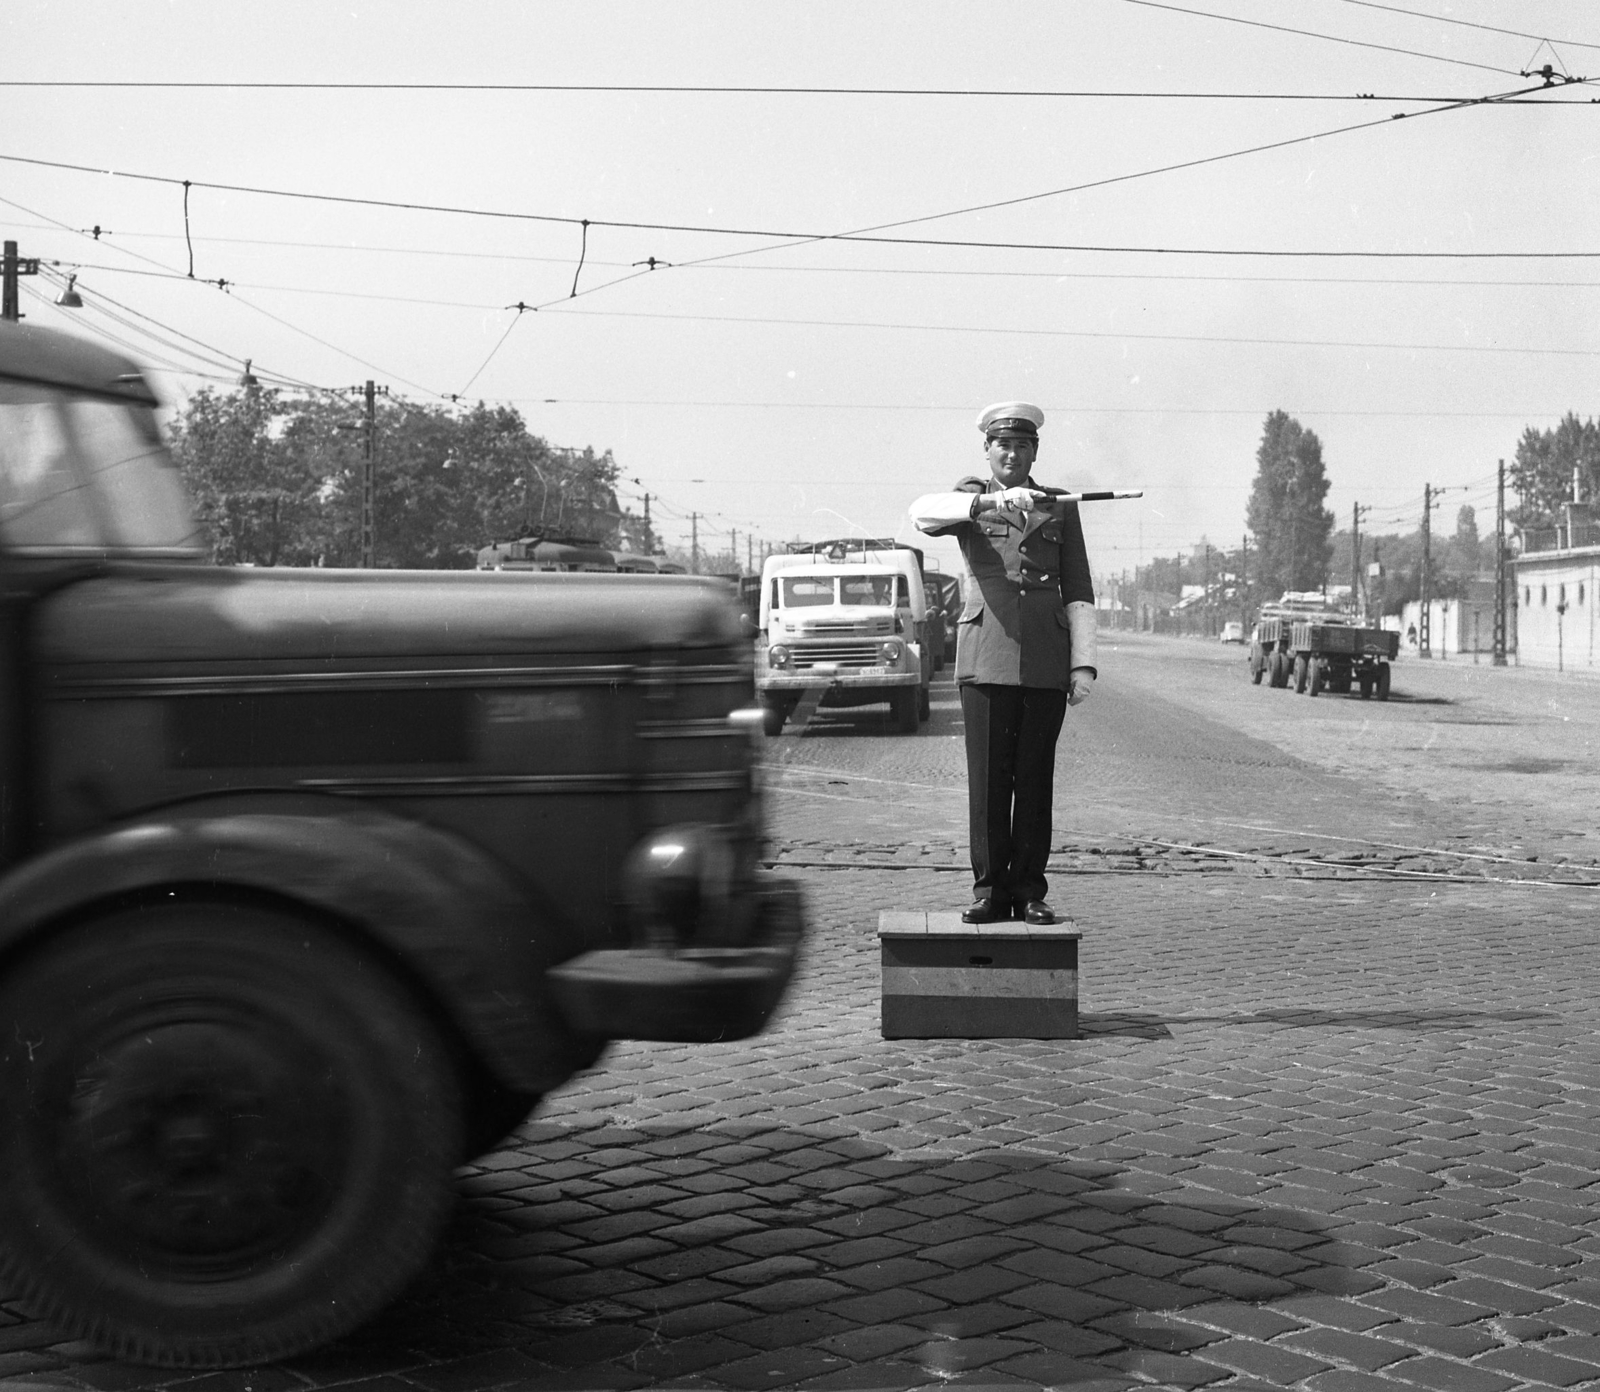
(1082, 680)
(1018, 499)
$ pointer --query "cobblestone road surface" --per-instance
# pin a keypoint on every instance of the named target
(1331, 1126)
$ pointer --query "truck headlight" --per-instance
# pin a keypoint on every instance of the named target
(890, 652)
(778, 656)
(678, 885)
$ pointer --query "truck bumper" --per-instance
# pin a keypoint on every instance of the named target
(834, 678)
(689, 995)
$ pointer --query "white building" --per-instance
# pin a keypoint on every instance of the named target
(1463, 626)
(1556, 577)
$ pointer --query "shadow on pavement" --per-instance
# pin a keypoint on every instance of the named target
(635, 1256)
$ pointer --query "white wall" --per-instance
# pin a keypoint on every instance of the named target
(1544, 637)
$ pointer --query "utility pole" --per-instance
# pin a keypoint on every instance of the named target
(368, 480)
(1423, 649)
(1430, 500)
(1205, 601)
(750, 552)
(1244, 580)
(1500, 567)
(733, 545)
(694, 543)
(1355, 557)
(649, 536)
(12, 266)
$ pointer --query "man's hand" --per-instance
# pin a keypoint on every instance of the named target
(1082, 684)
(1016, 499)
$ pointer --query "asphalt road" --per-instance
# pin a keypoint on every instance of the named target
(1332, 1126)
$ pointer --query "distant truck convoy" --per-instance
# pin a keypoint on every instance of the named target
(848, 621)
(566, 553)
(1304, 639)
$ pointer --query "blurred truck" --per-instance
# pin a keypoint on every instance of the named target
(313, 882)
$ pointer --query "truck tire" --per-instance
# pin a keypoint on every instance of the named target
(227, 1133)
(1313, 686)
(1301, 673)
(1366, 687)
(773, 714)
(1258, 664)
(1383, 681)
(1280, 669)
(924, 704)
(904, 704)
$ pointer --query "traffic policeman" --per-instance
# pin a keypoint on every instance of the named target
(1025, 652)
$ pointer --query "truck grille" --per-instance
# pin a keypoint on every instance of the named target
(845, 654)
(855, 628)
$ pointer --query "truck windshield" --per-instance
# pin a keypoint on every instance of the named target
(80, 473)
(803, 591)
(867, 589)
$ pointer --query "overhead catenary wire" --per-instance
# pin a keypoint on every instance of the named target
(223, 285)
(872, 234)
(768, 268)
(1315, 34)
(741, 89)
(1116, 335)
(1469, 24)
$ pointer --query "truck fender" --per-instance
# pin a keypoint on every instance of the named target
(455, 918)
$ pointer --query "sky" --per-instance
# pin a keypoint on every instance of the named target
(1154, 220)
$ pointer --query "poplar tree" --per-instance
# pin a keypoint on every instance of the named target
(1292, 530)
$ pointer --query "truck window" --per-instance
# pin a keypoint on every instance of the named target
(138, 486)
(868, 589)
(43, 501)
(801, 591)
(902, 591)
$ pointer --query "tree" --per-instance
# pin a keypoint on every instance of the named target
(1542, 472)
(256, 500)
(278, 478)
(1286, 516)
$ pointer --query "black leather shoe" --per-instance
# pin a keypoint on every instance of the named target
(1039, 913)
(986, 911)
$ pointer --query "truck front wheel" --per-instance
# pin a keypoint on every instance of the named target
(773, 715)
(904, 705)
(227, 1133)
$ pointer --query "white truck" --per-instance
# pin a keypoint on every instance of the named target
(844, 623)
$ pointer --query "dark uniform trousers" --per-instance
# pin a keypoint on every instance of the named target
(1014, 664)
(1011, 763)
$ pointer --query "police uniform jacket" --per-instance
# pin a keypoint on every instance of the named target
(1028, 618)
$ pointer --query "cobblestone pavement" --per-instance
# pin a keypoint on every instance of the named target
(1325, 1130)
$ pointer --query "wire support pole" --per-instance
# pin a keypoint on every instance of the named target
(1500, 566)
(11, 267)
(369, 479)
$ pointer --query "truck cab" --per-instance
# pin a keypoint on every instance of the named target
(313, 882)
(845, 624)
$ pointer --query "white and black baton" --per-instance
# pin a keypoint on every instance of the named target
(1103, 496)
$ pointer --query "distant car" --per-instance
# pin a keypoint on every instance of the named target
(1232, 632)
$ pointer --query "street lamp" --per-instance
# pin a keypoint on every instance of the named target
(69, 298)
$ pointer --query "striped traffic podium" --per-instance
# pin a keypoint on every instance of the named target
(945, 979)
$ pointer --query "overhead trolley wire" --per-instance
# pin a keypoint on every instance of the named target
(948, 271)
(226, 285)
(1469, 24)
(867, 235)
(1058, 410)
(1007, 329)
(724, 89)
(1314, 34)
